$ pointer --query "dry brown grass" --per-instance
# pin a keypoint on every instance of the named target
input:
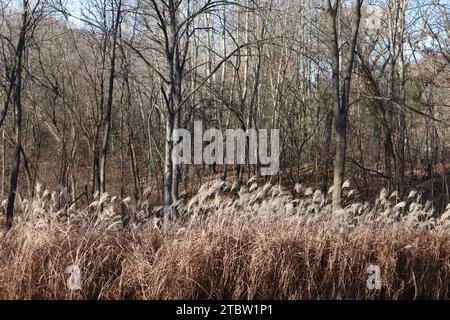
(258, 243)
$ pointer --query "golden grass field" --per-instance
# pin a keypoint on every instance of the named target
(254, 243)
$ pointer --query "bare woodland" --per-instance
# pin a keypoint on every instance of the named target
(92, 91)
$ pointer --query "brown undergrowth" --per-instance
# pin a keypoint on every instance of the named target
(253, 243)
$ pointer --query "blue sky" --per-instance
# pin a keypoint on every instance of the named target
(73, 6)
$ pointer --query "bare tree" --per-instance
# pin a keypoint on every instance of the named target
(116, 20)
(341, 97)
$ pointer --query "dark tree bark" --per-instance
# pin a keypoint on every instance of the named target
(112, 71)
(341, 98)
(18, 115)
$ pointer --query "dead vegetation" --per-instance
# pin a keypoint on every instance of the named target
(251, 242)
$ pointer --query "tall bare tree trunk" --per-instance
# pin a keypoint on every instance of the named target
(173, 101)
(168, 167)
(402, 4)
(327, 157)
(112, 71)
(336, 106)
(341, 101)
(18, 117)
(178, 97)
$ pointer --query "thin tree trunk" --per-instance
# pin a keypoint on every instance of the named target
(327, 158)
(168, 168)
(341, 102)
(106, 137)
(18, 118)
(336, 107)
